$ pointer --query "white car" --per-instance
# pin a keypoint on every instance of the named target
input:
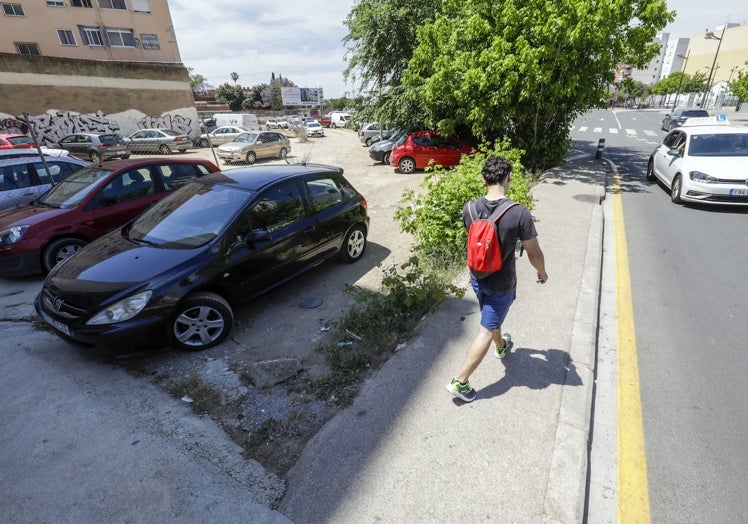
(314, 128)
(222, 135)
(704, 160)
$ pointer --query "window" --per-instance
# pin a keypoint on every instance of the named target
(13, 9)
(149, 41)
(55, 3)
(323, 193)
(66, 37)
(121, 37)
(177, 175)
(112, 4)
(81, 3)
(91, 36)
(28, 48)
(278, 208)
(141, 6)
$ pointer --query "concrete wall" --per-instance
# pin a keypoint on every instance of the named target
(90, 95)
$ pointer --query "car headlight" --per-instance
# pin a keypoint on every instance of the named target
(699, 176)
(123, 310)
(12, 234)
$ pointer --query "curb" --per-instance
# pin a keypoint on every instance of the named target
(567, 478)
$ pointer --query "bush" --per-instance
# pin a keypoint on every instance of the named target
(434, 216)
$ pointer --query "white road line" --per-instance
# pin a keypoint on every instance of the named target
(583, 129)
(613, 131)
(631, 131)
(597, 130)
(649, 132)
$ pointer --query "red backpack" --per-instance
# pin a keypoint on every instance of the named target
(483, 243)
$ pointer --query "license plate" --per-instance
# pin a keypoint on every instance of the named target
(59, 326)
(739, 192)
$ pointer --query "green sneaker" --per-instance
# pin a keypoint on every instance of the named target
(463, 391)
(501, 351)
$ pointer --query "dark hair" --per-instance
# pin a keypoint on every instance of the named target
(495, 170)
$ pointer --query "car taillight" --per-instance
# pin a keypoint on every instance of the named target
(104, 146)
(360, 133)
(364, 205)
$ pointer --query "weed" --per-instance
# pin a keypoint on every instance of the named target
(203, 397)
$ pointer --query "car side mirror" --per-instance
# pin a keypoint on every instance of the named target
(255, 236)
(675, 152)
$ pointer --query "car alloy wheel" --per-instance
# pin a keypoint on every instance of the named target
(164, 149)
(201, 321)
(283, 153)
(354, 244)
(406, 165)
(204, 142)
(386, 158)
(251, 157)
(59, 250)
(675, 190)
(95, 157)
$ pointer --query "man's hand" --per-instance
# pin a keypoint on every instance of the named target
(542, 277)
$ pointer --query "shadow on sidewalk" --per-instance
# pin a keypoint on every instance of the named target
(533, 369)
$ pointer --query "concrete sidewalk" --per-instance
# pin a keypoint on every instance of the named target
(407, 451)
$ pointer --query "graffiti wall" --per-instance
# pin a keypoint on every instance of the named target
(51, 126)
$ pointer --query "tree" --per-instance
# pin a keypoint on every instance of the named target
(521, 69)
(234, 77)
(739, 86)
(231, 95)
(196, 82)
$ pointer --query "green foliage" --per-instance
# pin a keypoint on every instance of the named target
(196, 81)
(634, 88)
(434, 216)
(371, 331)
(231, 95)
(739, 86)
(517, 69)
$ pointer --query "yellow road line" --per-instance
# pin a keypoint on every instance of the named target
(633, 488)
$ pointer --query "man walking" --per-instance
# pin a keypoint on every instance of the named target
(497, 291)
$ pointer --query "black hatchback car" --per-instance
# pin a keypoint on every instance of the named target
(680, 115)
(173, 275)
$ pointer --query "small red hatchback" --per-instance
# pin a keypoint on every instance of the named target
(16, 142)
(425, 148)
(85, 206)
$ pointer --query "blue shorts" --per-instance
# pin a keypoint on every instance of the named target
(493, 306)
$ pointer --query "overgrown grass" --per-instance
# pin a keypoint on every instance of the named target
(203, 397)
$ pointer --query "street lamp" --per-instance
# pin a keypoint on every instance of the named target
(682, 73)
(711, 36)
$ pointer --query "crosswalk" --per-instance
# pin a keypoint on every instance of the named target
(614, 131)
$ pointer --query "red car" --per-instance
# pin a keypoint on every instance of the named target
(424, 148)
(325, 120)
(85, 206)
(16, 142)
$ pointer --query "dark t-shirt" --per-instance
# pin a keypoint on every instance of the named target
(515, 224)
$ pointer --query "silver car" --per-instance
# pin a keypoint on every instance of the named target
(24, 178)
(163, 141)
(248, 147)
(94, 146)
(222, 135)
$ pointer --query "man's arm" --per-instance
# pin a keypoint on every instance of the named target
(536, 258)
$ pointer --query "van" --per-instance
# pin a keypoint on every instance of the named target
(339, 119)
(247, 120)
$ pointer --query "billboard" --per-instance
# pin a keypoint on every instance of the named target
(301, 96)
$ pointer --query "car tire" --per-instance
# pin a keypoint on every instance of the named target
(675, 190)
(406, 165)
(283, 153)
(94, 157)
(354, 244)
(204, 142)
(182, 151)
(333, 125)
(125, 157)
(251, 157)
(164, 149)
(367, 142)
(201, 321)
(386, 158)
(60, 249)
(650, 171)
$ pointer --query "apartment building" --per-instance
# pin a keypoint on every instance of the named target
(73, 64)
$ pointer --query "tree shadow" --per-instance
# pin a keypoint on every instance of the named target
(533, 369)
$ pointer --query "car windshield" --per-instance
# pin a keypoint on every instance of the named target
(721, 144)
(110, 139)
(189, 217)
(246, 137)
(74, 188)
(395, 136)
(20, 140)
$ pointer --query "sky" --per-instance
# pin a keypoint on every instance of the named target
(303, 40)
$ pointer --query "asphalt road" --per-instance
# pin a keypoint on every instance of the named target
(689, 312)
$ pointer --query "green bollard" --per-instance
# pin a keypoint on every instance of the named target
(600, 147)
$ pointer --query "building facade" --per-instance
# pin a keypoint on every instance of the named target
(92, 65)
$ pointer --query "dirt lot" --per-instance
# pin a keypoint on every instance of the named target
(254, 383)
